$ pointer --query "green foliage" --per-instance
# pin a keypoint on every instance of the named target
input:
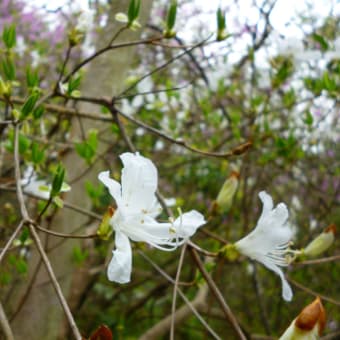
(18, 263)
(169, 32)
(79, 255)
(58, 180)
(8, 68)
(32, 78)
(29, 105)
(9, 36)
(88, 148)
(321, 41)
(133, 10)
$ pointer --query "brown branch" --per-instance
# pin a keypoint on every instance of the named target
(54, 233)
(166, 322)
(55, 283)
(36, 238)
(312, 292)
(318, 261)
(5, 324)
(106, 49)
(181, 314)
(218, 295)
(174, 295)
(11, 239)
(240, 149)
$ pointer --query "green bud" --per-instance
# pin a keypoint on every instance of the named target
(75, 37)
(230, 252)
(321, 243)
(104, 230)
(5, 88)
(225, 196)
(221, 25)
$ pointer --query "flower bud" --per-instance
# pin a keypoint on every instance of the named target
(321, 243)
(309, 324)
(104, 230)
(230, 252)
(227, 192)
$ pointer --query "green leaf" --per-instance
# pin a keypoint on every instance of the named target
(38, 112)
(171, 19)
(131, 11)
(220, 19)
(92, 139)
(321, 41)
(79, 255)
(8, 68)
(88, 148)
(9, 36)
(29, 105)
(58, 202)
(38, 154)
(73, 85)
(24, 235)
(329, 82)
(32, 78)
(58, 181)
(308, 119)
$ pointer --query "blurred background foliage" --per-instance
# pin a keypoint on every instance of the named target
(278, 91)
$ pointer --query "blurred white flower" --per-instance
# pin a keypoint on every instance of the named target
(85, 21)
(137, 208)
(268, 243)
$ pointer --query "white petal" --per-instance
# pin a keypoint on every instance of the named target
(111, 184)
(119, 269)
(287, 292)
(267, 205)
(187, 224)
(139, 183)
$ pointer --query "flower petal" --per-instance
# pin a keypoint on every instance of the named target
(267, 205)
(111, 184)
(119, 269)
(287, 292)
(139, 183)
(187, 224)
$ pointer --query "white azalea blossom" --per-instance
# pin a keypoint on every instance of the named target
(134, 218)
(268, 243)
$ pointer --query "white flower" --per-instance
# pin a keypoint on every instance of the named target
(137, 208)
(38, 187)
(268, 243)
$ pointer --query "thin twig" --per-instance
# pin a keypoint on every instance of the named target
(318, 261)
(55, 283)
(5, 324)
(312, 292)
(190, 305)
(11, 239)
(173, 307)
(218, 295)
(54, 233)
(36, 238)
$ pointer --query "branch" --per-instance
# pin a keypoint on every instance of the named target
(189, 304)
(36, 238)
(181, 314)
(218, 295)
(5, 324)
(55, 283)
